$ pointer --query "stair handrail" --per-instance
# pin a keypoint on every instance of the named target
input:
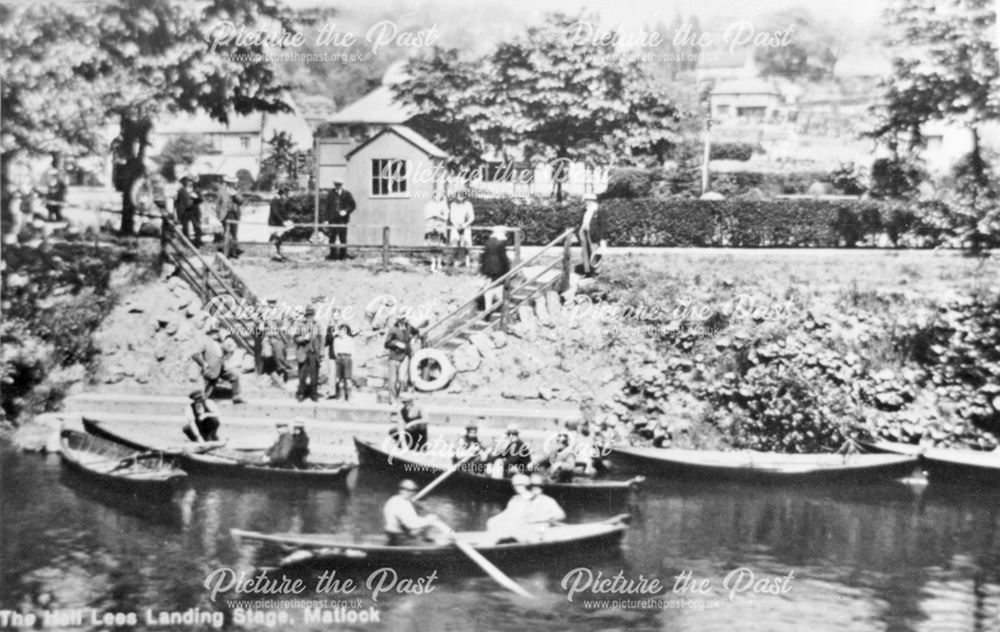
(514, 271)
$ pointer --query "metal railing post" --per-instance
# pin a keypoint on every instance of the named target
(517, 246)
(505, 305)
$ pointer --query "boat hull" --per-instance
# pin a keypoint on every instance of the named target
(208, 465)
(144, 483)
(762, 467)
(949, 467)
(312, 550)
(372, 457)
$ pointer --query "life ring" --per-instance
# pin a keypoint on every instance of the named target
(437, 379)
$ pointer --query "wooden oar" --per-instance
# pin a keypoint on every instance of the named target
(440, 479)
(495, 573)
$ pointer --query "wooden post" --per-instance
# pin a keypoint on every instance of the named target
(567, 263)
(385, 246)
(517, 246)
(164, 228)
(225, 237)
(706, 157)
(315, 235)
(505, 305)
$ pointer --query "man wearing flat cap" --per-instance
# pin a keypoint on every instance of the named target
(339, 206)
(212, 359)
(308, 347)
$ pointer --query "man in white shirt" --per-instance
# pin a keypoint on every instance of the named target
(460, 218)
(403, 525)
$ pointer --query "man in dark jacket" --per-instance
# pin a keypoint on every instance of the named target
(339, 206)
(278, 218)
(308, 346)
(187, 205)
(399, 342)
(494, 262)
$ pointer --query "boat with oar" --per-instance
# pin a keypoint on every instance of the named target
(151, 475)
(423, 467)
(947, 465)
(763, 467)
(373, 550)
(216, 459)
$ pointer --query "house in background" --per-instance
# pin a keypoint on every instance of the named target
(379, 110)
(238, 146)
(392, 175)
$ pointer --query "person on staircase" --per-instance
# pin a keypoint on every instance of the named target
(212, 359)
(308, 347)
(202, 418)
(187, 205)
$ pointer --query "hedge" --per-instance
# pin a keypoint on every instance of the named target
(700, 223)
(685, 181)
(732, 151)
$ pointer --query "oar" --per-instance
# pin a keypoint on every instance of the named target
(440, 479)
(491, 570)
(495, 573)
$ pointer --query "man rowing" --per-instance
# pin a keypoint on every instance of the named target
(470, 447)
(529, 512)
(403, 525)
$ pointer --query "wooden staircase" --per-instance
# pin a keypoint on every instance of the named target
(525, 282)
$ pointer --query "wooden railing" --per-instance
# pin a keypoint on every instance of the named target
(464, 317)
(385, 246)
(206, 282)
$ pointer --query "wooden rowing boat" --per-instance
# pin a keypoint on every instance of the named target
(753, 466)
(118, 468)
(978, 467)
(230, 463)
(422, 468)
(374, 551)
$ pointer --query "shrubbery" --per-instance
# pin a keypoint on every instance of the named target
(738, 223)
(732, 151)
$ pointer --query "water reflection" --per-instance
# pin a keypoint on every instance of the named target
(872, 557)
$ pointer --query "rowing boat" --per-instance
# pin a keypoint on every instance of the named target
(422, 468)
(753, 466)
(948, 466)
(116, 467)
(230, 463)
(373, 550)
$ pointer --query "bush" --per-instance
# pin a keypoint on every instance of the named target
(632, 182)
(731, 151)
(682, 222)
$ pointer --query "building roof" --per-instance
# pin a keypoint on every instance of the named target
(409, 136)
(752, 85)
(378, 107)
(291, 122)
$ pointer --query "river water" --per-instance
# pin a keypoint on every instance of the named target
(884, 557)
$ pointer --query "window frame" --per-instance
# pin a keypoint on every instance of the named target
(374, 177)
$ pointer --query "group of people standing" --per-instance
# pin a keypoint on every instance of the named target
(449, 223)
(228, 210)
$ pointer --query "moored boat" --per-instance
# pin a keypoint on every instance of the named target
(220, 461)
(423, 468)
(751, 466)
(115, 467)
(312, 548)
(948, 466)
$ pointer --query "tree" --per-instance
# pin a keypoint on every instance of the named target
(159, 55)
(183, 149)
(447, 94)
(945, 68)
(810, 53)
(280, 162)
(565, 100)
(47, 106)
